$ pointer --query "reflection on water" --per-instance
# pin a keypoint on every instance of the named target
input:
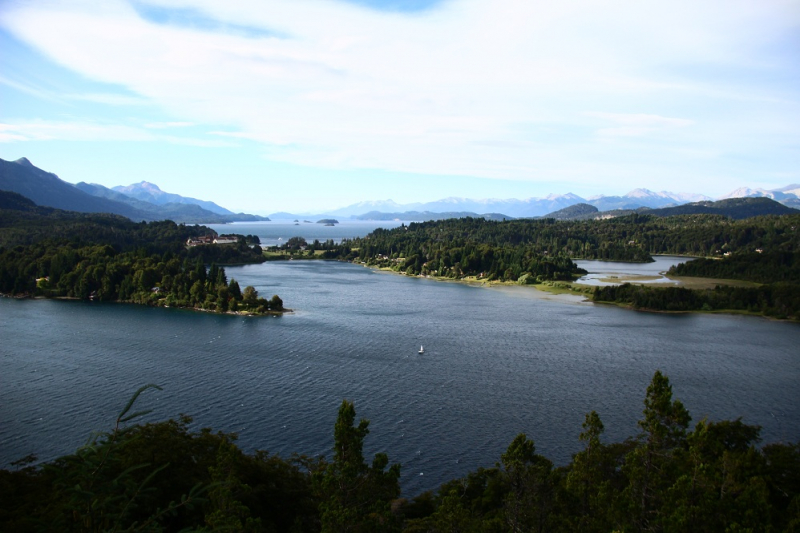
(604, 273)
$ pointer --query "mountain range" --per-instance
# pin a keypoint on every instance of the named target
(735, 208)
(142, 201)
(146, 201)
(149, 192)
(423, 216)
(537, 207)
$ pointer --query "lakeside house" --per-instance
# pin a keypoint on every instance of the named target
(211, 239)
(197, 241)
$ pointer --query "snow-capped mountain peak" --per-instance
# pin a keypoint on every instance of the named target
(643, 193)
(742, 192)
(747, 192)
(564, 197)
(538, 206)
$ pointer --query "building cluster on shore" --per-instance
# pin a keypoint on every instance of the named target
(212, 239)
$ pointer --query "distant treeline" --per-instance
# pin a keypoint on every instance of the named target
(778, 296)
(778, 300)
(760, 249)
(763, 267)
(163, 477)
(542, 249)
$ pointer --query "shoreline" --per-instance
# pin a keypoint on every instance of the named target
(567, 292)
(544, 289)
(130, 302)
(729, 312)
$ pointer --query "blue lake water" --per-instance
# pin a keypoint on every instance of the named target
(497, 362)
(277, 232)
(604, 273)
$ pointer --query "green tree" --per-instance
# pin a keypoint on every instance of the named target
(234, 290)
(587, 477)
(452, 517)
(720, 485)
(529, 502)
(226, 512)
(649, 466)
(353, 496)
(97, 491)
(198, 292)
(250, 295)
(295, 243)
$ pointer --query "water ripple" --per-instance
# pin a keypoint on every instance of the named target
(495, 365)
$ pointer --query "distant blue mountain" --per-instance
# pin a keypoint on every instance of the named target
(530, 207)
(149, 192)
(423, 216)
(47, 189)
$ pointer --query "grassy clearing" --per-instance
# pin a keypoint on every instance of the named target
(564, 287)
(710, 283)
(629, 279)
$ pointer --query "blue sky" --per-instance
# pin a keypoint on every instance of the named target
(306, 105)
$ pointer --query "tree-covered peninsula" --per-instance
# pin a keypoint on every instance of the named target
(506, 250)
(47, 252)
(760, 250)
(670, 477)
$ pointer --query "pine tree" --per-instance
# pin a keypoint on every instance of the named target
(649, 466)
(356, 497)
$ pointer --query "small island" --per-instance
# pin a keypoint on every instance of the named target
(328, 221)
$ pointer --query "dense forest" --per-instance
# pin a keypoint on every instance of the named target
(671, 477)
(761, 267)
(52, 253)
(778, 296)
(777, 300)
(758, 249)
(542, 248)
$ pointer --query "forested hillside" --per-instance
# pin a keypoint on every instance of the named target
(762, 267)
(736, 208)
(671, 477)
(776, 272)
(757, 249)
(541, 249)
(53, 253)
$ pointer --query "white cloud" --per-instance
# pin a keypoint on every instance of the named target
(46, 130)
(440, 92)
(29, 89)
(638, 124)
(110, 99)
(167, 125)
(9, 134)
(641, 119)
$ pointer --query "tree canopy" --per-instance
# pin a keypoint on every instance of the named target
(164, 477)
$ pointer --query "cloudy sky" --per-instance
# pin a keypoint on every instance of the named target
(302, 105)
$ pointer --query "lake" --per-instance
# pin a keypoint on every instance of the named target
(277, 232)
(604, 273)
(497, 362)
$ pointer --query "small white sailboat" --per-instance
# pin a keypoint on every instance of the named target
(421, 349)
